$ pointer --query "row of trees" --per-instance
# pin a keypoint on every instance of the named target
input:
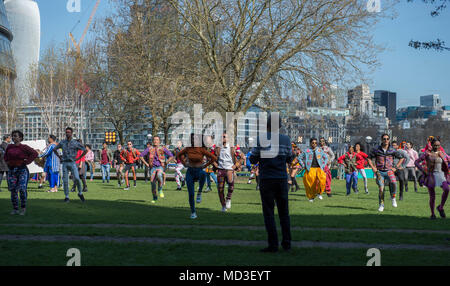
(152, 58)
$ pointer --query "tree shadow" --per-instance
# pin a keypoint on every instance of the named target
(346, 207)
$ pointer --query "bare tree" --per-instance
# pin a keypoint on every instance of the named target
(437, 44)
(149, 61)
(246, 43)
(56, 82)
(8, 102)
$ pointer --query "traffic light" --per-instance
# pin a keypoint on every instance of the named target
(110, 138)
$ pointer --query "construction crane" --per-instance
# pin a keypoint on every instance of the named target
(80, 84)
(78, 45)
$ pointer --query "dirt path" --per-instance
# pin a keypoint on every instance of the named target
(295, 244)
(150, 226)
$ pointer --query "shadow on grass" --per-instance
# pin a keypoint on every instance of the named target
(346, 207)
(45, 211)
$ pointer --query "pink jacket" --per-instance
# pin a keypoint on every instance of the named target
(413, 156)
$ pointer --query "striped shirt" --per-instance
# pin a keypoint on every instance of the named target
(52, 161)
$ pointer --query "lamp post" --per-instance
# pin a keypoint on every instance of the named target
(368, 141)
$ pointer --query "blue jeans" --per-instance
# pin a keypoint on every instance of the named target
(105, 172)
(159, 178)
(72, 167)
(192, 175)
(352, 181)
(208, 181)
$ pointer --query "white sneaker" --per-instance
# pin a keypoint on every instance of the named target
(14, 212)
(224, 209)
(199, 198)
(381, 208)
(320, 197)
(193, 216)
(311, 200)
(394, 203)
(228, 204)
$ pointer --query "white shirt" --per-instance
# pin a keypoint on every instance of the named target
(225, 160)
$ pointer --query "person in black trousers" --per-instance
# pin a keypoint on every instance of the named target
(273, 184)
(147, 158)
(3, 166)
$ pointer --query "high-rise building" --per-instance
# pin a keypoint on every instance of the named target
(24, 17)
(387, 99)
(432, 101)
(360, 100)
(7, 73)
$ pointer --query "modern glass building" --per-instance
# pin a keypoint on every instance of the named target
(389, 100)
(7, 65)
(7, 70)
(24, 17)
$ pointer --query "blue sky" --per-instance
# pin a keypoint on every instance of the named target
(411, 73)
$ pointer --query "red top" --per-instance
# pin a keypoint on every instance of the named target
(83, 159)
(361, 160)
(18, 156)
(104, 160)
(130, 157)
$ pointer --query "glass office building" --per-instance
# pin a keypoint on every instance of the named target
(7, 65)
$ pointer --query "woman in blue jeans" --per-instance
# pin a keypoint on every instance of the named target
(192, 158)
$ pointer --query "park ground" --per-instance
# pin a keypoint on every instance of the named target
(123, 228)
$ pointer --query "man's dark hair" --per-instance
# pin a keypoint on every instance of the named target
(104, 142)
(434, 140)
(410, 143)
(19, 133)
(149, 143)
(88, 146)
(6, 137)
(312, 139)
(385, 135)
(394, 142)
(53, 137)
(69, 128)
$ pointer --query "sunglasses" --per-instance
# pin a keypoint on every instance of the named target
(385, 139)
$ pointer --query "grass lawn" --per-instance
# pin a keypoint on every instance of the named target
(108, 204)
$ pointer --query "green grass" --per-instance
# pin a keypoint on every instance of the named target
(108, 204)
(138, 254)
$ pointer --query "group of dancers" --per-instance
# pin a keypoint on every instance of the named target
(392, 163)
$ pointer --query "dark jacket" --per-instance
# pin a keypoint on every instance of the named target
(273, 166)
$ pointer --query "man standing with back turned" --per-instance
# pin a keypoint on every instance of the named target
(273, 183)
